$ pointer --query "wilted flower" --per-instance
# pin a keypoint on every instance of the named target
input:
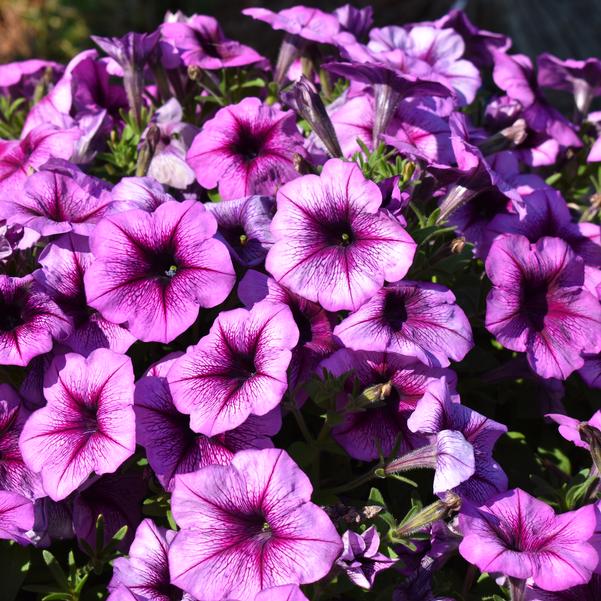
(154, 270)
(238, 369)
(247, 527)
(246, 149)
(333, 243)
(87, 425)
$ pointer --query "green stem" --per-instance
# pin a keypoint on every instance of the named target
(300, 421)
(356, 483)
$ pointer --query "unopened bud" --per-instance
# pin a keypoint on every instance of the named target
(194, 72)
(147, 149)
(511, 136)
(438, 510)
(457, 245)
(592, 436)
(301, 165)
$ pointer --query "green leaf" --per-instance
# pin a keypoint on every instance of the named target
(55, 569)
(14, 566)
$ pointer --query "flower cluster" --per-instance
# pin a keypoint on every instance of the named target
(265, 326)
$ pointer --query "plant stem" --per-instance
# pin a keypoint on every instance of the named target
(517, 589)
(367, 477)
(300, 420)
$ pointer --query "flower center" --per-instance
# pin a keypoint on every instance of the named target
(89, 420)
(242, 366)
(534, 303)
(164, 267)
(10, 317)
(339, 234)
(394, 311)
(248, 143)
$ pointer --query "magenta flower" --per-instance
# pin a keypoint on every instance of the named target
(247, 527)
(247, 148)
(155, 270)
(571, 429)
(583, 592)
(29, 321)
(15, 476)
(244, 226)
(139, 193)
(201, 42)
(87, 425)
(238, 369)
(521, 537)
(410, 318)
(390, 386)
(538, 305)
(145, 573)
(64, 263)
(16, 517)
(18, 159)
(172, 447)
(333, 243)
(361, 559)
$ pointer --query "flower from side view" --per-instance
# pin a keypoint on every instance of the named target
(416, 319)
(155, 270)
(334, 245)
(29, 321)
(145, 573)
(519, 536)
(247, 527)
(574, 430)
(238, 369)
(87, 425)
(247, 148)
(361, 559)
(16, 517)
(538, 305)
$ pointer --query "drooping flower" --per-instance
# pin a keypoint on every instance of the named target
(244, 226)
(238, 369)
(247, 148)
(16, 517)
(519, 536)
(390, 387)
(18, 159)
(247, 527)
(29, 321)
(64, 263)
(15, 476)
(52, 203)
(87, 425)
(145, 573)
(538, 305)
(155, 270)
(333, 243)
(172, 447)
(416, 319)
(200, 41)
(361, 559)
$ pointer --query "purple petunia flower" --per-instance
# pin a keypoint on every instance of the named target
(172, 447)
(64, 263)
(238, 369)
(145, 573)
(200, 41)
(521, 537)
(87, 425)
(155, 270)
(53, 203)
(16, 517)
(247, 148)
(591, 370)
(15, 476)
(247, 527)
(583, 592)
(139, 193)
(538, 305)
(416, 319)
(391, 386)
(244, 226)
(333, 243)
(29, 321)
(570, 428)
(360, 559)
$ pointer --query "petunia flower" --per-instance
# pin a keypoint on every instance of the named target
(416, 319)
(333, 243)
(354, 21)
(521, 537)
(139, 193)
(22, 78)
(64, 263)
(582, 592)
(15, 476)
(29, 321)
(572, 429)
(238, 369)
(18, 159)
(591, 370)
(247, 527)
(16, 517)
(53, 203)
(246, 148)
(538, 305)
(145, 573)
(154, 270)
(87, 425)
(244, 226)
(172, 447)
(201, 42)
(361, 559)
